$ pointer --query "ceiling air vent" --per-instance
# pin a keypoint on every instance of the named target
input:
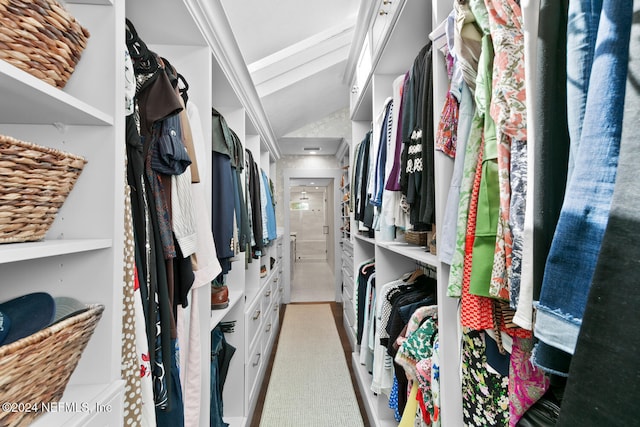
(311, 148)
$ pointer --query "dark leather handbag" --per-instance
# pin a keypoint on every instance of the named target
(543, 413)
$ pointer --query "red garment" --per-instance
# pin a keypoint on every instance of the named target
(476, 312)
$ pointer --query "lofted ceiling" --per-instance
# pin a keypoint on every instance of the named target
(296, 53)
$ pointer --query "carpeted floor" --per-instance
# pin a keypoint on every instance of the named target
(310, 383)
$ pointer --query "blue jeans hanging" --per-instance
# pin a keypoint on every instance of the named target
(221, 353)
(585, 211)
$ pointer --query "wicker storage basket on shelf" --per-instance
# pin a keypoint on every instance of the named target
(37, 368)
(34, 183)
(416, 237)
(41, 38)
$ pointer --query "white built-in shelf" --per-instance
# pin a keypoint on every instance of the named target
(235, 296)
(29, 100)
(12, 252)
(80, 404)
(365, 238)
(270, 273)
(419, 253)
(363, 107)
(371, 401)
(251, 292)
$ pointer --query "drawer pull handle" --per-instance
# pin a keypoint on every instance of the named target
(256, 315)
(386, 2)
(383, 12)
(268, 293)
(275, 307)
(268, 329)
(257, 359)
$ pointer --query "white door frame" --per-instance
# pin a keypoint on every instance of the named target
(336, 174)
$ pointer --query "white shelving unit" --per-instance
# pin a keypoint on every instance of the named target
(81, 255)
(388, 38)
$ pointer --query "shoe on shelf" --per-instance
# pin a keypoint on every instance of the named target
(272, 262)
(263, 271)
(219, 297)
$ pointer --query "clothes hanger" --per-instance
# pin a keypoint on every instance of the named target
(417, 273)
(184, 88)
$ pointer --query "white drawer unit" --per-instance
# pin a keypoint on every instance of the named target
(252, 372)
(253, 320)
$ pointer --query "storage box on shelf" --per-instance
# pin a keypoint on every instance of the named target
(36, 181)
(82, 251)
(44, 40)
(35, 369)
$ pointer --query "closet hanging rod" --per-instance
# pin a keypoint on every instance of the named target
(426, 267)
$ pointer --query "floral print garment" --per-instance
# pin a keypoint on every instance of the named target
(418, 345)
(446, 135)
(508, 109)
(417, 348)
(526, 383)
(428, 371)
(485, 400)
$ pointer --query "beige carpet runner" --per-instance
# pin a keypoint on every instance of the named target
(310, 383)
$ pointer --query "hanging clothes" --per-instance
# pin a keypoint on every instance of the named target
(585, 211)
(269, 210)
(416, 180)
(206, 267)
(382, 371)
(485, 400)
(221, 354)
(365, 270)
(602, 387)
(390, 209)
(241, 210)
(222, 190)
(508, 110)
(548, 174)
(254, 184)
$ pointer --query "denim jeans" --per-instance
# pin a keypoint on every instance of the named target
(582, 29)
(221, 353)
(603, 388)
(585, 211)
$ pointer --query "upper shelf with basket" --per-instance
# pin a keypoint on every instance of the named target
(52, 63)
(29, 100)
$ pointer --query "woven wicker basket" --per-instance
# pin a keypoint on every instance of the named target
(34, 183)
(36, 369)
(41, 38)
(416, 237)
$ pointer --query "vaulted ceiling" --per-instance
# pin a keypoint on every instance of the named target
(296, 52)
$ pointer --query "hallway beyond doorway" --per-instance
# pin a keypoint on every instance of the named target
(313, 281)
(308, 221)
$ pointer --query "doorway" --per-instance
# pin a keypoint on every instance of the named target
(311, 219)
(308, 222)
(313, 278)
